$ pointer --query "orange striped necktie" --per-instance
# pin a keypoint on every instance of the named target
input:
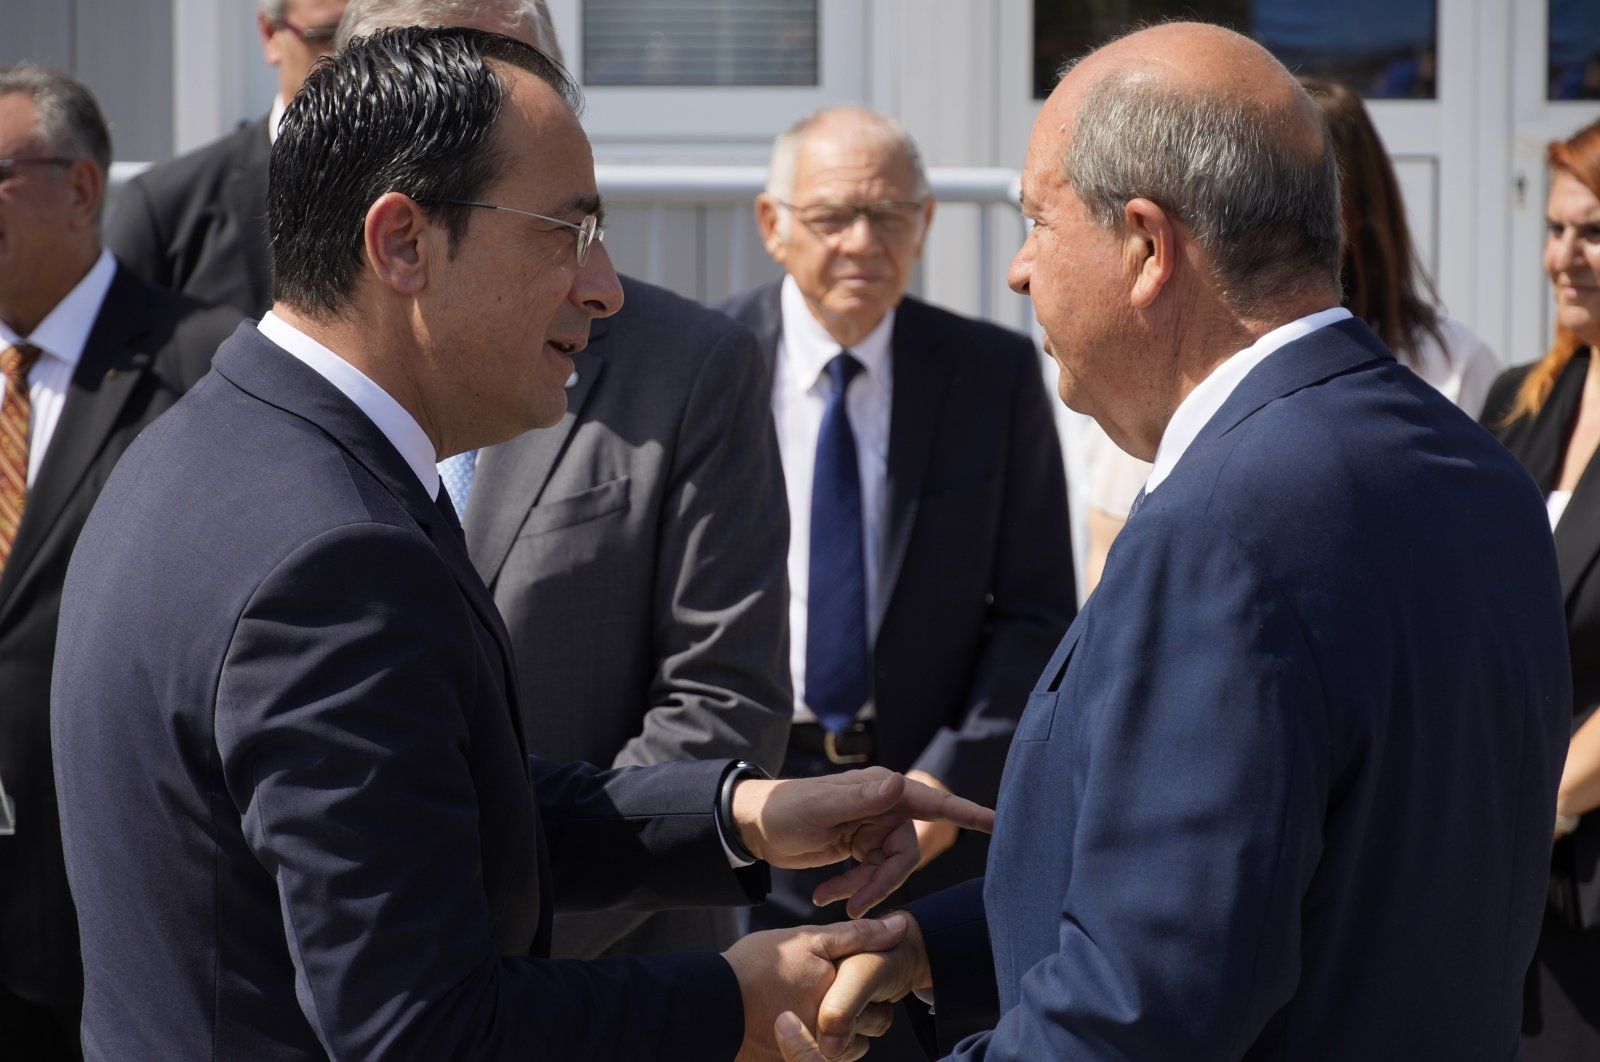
(15, 411)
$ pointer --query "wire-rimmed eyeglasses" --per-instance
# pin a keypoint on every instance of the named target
(8, 167)
(588, 230)
(830, 220)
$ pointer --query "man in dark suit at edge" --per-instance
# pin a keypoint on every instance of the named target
(913, 644)
(651, 521)
(298, 813)
(1286, 789)
(198, 223)
(91, 354)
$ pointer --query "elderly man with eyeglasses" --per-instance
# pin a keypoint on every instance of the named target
(930, 562)
(198, 223)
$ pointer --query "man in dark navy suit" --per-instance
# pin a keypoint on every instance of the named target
(1286, 789)
(299, 817)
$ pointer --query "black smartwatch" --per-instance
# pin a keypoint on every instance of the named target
(737, 772)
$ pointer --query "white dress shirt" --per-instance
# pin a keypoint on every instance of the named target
(61, 336)
(799, 394)
(275, 117)
(1209, 395)
(391, 418)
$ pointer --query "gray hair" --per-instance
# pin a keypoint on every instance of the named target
(1265, 214)
(786, 148)
(274, 10)
(70, 123)
(362, 18)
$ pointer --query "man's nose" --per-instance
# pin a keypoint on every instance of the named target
(596, 289)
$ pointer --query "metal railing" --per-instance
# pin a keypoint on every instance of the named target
(691, 228)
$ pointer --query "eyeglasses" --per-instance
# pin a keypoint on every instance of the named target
(316, 35)
(588, 230)
(830, 220)
(8, 167)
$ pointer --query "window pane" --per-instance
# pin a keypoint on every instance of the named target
(1384, 49)
(700, 42)
(1574, 50)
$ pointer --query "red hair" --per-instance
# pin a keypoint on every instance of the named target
(1579, 157)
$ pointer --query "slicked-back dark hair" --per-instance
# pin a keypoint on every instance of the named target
(407, 110)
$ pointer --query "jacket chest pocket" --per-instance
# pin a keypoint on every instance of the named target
(1038, 717)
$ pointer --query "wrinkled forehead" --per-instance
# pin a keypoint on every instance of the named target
(847, 153)
(19, 124)
(544, 143)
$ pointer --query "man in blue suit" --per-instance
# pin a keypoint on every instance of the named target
(1286, 789)
(299, 817)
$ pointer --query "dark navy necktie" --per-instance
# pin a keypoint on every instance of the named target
(836, 609)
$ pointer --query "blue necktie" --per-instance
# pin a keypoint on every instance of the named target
(457, 475)
(836, 611)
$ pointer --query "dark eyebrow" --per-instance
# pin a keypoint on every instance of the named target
(589, 204)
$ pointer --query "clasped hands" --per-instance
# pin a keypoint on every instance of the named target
(848, 974)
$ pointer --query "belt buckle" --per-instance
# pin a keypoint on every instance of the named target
(830, 749)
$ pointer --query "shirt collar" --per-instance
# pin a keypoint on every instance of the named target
(808, 347)
(1209, 394)
(275, 117)
(64, 332)
(391, 418)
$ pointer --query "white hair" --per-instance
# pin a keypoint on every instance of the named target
(362, 18)
(786, 148)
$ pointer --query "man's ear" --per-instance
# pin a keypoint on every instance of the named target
(269, 40)
(927, 223)
(88, 183)
(1150, 250)
(771, 225)
(401, 242)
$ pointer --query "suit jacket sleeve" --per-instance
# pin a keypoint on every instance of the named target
(343, 725)
(1034, 597)
(1218, 760)
(721, 688)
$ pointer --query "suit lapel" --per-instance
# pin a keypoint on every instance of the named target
(261, 368)
(511, 477)
(1327, 352)
(1577, 536)
(1578, 533)
(924, 373)
(112, 365)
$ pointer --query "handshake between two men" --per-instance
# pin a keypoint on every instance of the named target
(840, 979)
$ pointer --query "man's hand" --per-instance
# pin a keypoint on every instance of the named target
(868, 814)
(933, 838)
(787, 970)
(794, 1041)
(865, 983)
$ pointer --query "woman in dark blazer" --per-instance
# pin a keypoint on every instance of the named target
(1548, 414)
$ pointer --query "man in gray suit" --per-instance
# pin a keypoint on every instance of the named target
(637, 548)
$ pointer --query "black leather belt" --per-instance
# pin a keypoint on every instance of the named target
(854, 744)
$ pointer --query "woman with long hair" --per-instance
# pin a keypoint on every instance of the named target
(1384, 284)
(1548, 414)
